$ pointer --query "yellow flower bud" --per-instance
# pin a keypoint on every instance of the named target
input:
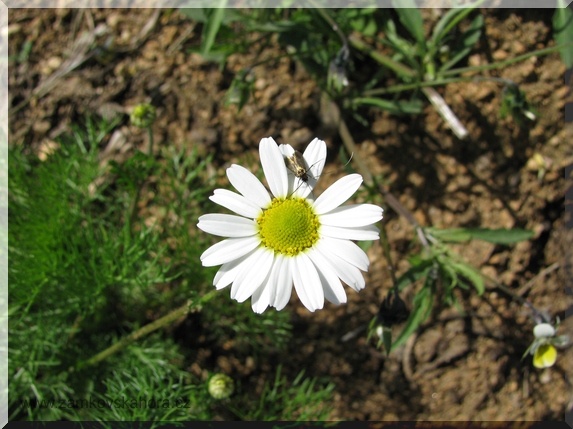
(143, 115)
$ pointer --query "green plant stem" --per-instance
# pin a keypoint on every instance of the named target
(333, 24)
(149, 141)
(145, 330)
(135, 202)
(399, 68)
(537, 315)
(392, 201)
(350, 145)
(507, 62)
(416, 85)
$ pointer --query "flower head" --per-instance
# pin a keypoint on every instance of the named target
(543, 346)
(288, 237)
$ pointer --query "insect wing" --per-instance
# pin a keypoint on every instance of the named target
(296, 164)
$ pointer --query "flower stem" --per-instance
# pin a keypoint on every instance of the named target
(147, 329)
(150, 141)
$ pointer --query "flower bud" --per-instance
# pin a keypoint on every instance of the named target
(221, 386)
(143, 115)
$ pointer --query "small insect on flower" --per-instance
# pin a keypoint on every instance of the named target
(296, 164)
(307, 174)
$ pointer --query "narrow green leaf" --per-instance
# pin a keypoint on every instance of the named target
(211, 28)
(501, 235)
(468, 40)
(449, 21)
(456, 235)
(449, 276)
(563, 31)
(471, 274)
(422, 306)
(397, 107)
(411, 18)
(414, 274)
(495, 236)
(387, 338)
(444, 20)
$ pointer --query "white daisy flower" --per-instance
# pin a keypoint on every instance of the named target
(288, 238)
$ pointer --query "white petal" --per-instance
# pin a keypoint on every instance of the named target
(299, 188)
(227, 225)
(333, 290)
(227, 273)
(283, 282)
(368, 232)
(286, 149)
(315, 156)
(236, 203)
(352, 215)
(248, 185)
(262, 296)
(337, 193)
(307, 283)
(274, 167)
(253, 272)
(349, 251)
(543, 330)
(228, 250)
(348, 273)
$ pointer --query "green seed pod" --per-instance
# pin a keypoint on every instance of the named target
(143, 115)
(221, 386)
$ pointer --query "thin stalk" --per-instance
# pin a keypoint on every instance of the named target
(538, 316)
(145, 330)
(416, 85)
(333, 24)
(363, 169)
(149, 141)
(399, 68)
(133, 209)
(507, 62)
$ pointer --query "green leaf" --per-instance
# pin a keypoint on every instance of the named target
(468, 40)
(414, 274)
(471, 274)
(402, 46)
(211, 28)
(411, 18)
(387, 338)
(362, 20)
(449, 21)
(563, 31)
(422, 306)
(397, 107)
(495, 236)
(449, 276)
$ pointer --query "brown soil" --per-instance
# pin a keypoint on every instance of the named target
(456, 367)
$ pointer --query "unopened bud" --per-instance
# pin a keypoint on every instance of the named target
(143, 115)
(221, 386)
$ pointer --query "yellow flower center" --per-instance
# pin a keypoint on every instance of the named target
(288, 226)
